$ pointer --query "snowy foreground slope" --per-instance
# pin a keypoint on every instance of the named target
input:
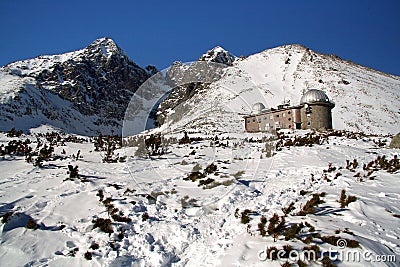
(170, 216)
(366, 100)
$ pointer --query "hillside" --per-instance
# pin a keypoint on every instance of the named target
(366, 100)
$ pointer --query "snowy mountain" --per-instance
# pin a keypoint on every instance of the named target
(214, 196)
(84, 91)
(87, 91)
(366, 100)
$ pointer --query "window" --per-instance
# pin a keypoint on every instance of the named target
(254, 120)
(288, 112)
(265, 118)
(248, 121)
(289, 119)
(290, 126)
(277, 115)
(259, 120)
(284, 114)
(271, 117)
(309, 123)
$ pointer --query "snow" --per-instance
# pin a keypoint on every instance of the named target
(191, 225)
(204, 235)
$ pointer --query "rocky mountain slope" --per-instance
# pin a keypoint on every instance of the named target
(84, 91)
(366, 100)
(87, 91)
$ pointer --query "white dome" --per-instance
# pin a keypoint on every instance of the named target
(314, 95)
(258, 107)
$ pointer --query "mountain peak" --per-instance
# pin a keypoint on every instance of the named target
(218, 55)
(105, 46)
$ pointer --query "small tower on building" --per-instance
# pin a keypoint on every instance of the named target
(316, 110)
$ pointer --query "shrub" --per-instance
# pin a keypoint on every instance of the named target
(350, 199)
(245, 218)
(73, 172)
(287, 249)
(120, 218)
(185, 139)
(120, 236)
(145, 216)
(308, 239)
(238, 174)
(326, 262)
(44, 155)
(288, 209)
(100, 194)
(94, 245)
(342, 199)
(193, 176)
(88, 255)
(196, 168)
(293, 231)
(345, 201)
(261, 226)
(14, 133)
(7, 216)
(332, 240)
(275, 225)
(73, 252)
(186, 202)
(105, 225)
(272, 253)
(303, 192)
(301, 263)
(236, 214)
(31, 224)
(210, 168)
(206, 182)
(312, 251)
(310, 205)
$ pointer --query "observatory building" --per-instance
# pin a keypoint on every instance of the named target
(313, 112)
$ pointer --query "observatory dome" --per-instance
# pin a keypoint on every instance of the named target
(314, 95)
(258, 107)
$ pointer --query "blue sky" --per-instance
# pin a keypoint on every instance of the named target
(160, 32)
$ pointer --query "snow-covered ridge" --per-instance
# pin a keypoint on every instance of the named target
(366, 100)
(33, 66)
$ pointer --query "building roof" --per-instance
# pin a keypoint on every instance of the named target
(258, 107)
(313, 96)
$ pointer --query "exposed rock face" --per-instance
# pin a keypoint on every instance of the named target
(395, 143)
(189, 80)
(218, 55)
(98, 80)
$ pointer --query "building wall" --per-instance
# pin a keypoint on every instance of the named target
(319, 118)
(269, 121)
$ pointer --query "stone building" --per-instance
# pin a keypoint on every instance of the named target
(313, 112)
